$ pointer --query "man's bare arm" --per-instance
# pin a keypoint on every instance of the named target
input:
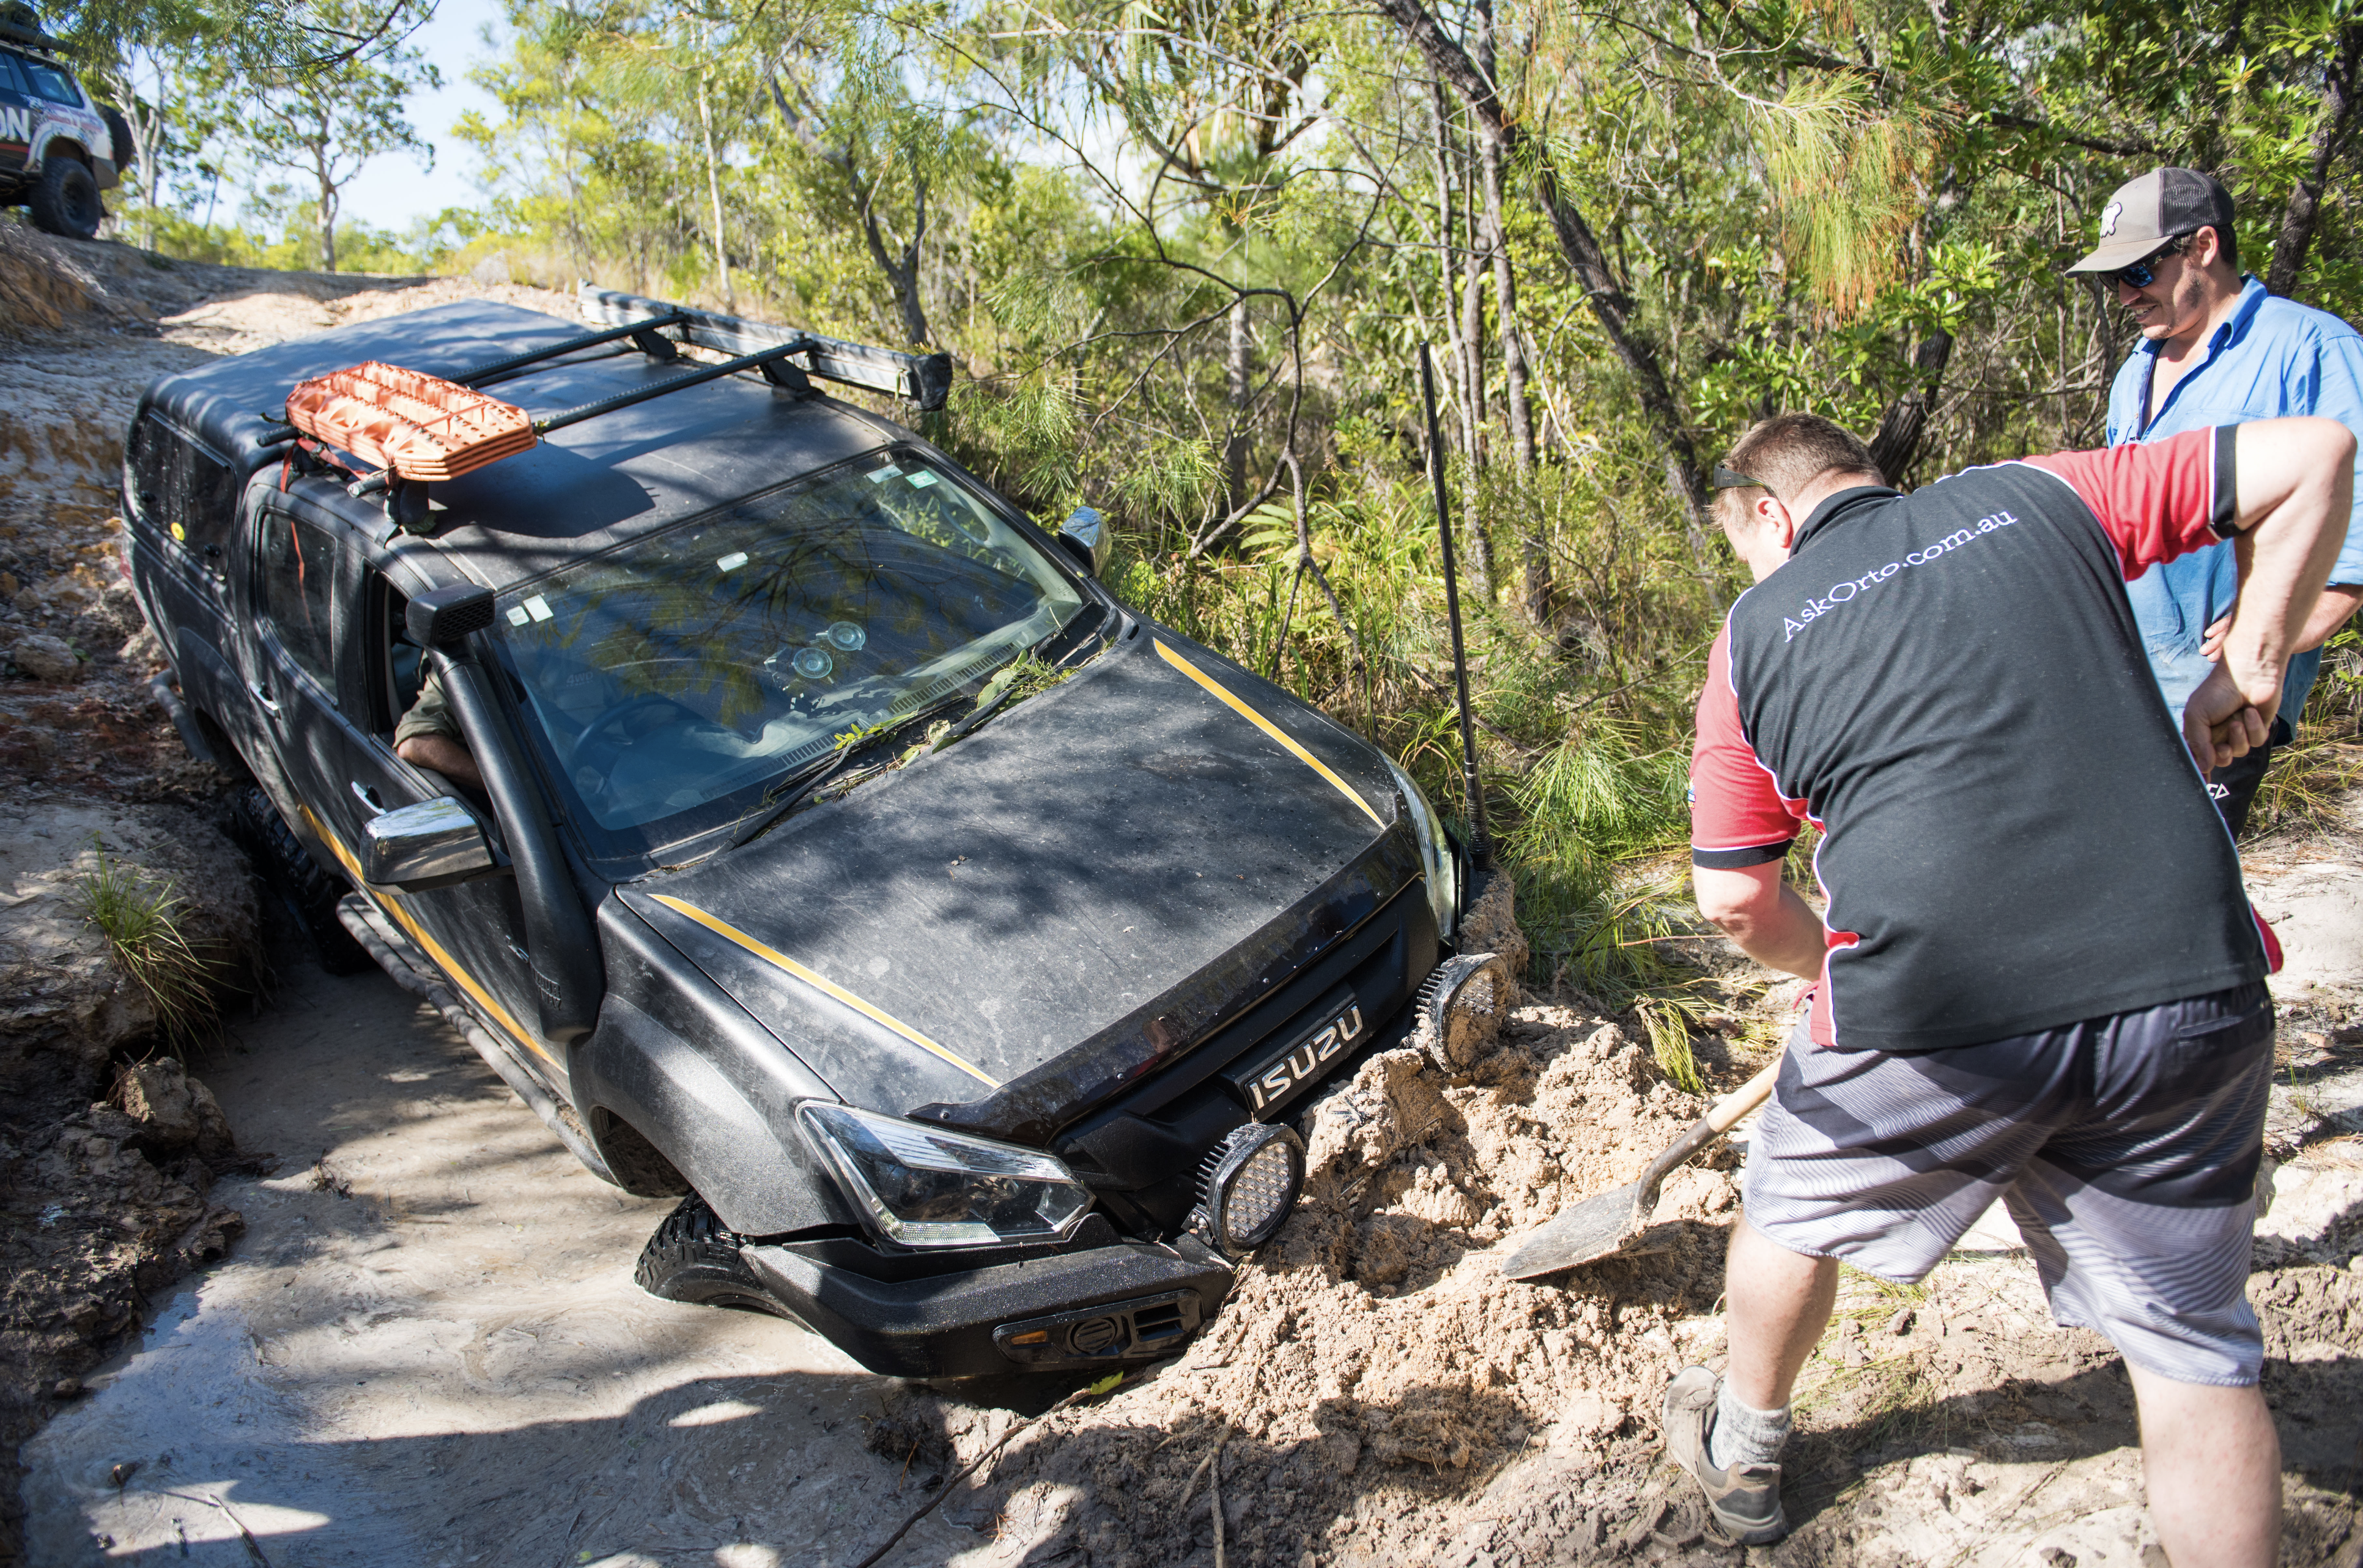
(2338, 601)
(2296, 483)
(443, 754)
(1764, 916)
(2331, 611)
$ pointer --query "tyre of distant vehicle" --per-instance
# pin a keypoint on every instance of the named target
(66, 201)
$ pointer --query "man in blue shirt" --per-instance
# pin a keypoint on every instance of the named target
(2218, 350)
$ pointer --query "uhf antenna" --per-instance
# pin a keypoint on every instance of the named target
(1481, 845)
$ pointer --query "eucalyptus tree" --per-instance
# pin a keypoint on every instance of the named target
(323, 117)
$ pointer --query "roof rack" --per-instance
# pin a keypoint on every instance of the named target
(924, 380)
(422, 428)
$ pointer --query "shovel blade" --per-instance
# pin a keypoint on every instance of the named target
(1591, 1230)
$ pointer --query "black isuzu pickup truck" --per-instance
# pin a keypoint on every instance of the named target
(845, 857)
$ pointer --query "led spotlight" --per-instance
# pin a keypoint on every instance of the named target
(1461, 1007)
(1248, 1187)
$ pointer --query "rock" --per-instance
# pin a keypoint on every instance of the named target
(176, 1111)
(66, 1388)
(46, 659)
(142, 651)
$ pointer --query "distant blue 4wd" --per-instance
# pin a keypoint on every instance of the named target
(845, 857)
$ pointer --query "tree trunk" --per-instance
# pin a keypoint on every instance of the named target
(1447, 250)
(902, 272)
(2304, 206)
(713, 191)
(1472, 413)
(1464, 385)
(1517, 408)
(1897, 439)
(320, 167)
(1235, 447)
(1611, 306)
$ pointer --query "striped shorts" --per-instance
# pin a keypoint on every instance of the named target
(2126, 1148)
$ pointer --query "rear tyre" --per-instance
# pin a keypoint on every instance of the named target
(693, 1258)
(308, 894)
(66, 201)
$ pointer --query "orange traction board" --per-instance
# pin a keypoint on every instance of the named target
(421, 427)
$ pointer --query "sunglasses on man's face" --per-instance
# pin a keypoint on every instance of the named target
(2143, 272)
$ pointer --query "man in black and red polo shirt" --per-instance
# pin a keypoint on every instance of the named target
(2039, 979)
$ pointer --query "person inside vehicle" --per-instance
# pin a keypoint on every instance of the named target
(428, 736)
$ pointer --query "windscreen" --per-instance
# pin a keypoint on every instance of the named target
(672, 682)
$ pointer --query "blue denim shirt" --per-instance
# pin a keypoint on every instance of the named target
(2274, 357)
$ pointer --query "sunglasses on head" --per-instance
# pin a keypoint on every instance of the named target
(2143, 272)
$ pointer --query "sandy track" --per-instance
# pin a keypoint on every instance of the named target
(428, 1347)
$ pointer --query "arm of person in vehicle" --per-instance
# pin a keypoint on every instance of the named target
(2295, 492)
(1763, 914)
(428, 736)
(443, 754)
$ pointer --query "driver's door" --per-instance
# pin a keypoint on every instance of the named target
(475, 931)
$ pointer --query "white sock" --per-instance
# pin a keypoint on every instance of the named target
(1742, 1435)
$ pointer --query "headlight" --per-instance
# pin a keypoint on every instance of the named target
(923, 1186)
(1435, 852)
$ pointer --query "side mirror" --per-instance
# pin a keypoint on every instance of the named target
(417, 848)
(1085, 535)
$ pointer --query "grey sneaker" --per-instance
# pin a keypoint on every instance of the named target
(1745, 1499)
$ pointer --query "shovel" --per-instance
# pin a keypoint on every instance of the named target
(1603, 1225)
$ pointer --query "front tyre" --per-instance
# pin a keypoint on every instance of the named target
(66, 201)
(309, 894)
(695, 1259)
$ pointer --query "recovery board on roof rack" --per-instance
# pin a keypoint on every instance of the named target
(963, 946)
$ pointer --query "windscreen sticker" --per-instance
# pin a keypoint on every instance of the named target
(517, 616)
(732, 562)
(538, 607)
(885, 473)
(922, 479)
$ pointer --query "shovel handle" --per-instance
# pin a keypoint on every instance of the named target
(1745, 1098)
(1712, 1125)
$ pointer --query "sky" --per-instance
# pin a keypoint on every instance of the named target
(392, 189)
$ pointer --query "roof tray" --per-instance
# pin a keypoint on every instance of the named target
(419, 427)
(924, 380)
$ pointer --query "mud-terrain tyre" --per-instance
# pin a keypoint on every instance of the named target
(288, 870)
(65, 201)
(693, 1258)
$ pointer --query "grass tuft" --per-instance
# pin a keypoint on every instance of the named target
(145, 921)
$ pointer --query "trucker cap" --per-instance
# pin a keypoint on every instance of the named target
(2147, 213)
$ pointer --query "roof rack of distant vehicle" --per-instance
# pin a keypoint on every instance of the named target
(21, 24)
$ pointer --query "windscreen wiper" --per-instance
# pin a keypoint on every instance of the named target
(801, 786)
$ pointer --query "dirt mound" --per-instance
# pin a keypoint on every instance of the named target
(1371, 1357)
(106, 1150)
(47, 281)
